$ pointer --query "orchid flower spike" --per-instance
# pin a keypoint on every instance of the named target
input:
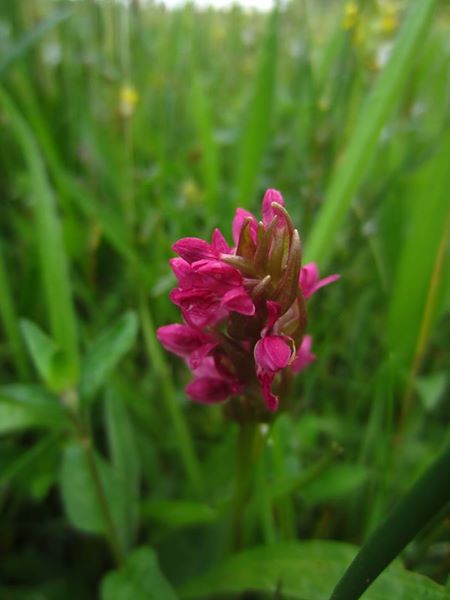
(243, 334)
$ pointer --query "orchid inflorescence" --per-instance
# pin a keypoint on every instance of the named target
(244, 312)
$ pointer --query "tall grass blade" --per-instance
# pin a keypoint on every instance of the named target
(209, 155)
(420, 268)
(255, 135)
(51, 249)
(9, 320)
(32, 37)
(425, 500)
(351, 169)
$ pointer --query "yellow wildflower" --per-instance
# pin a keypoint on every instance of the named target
(128, 99)
(351, 16)
(388, 20)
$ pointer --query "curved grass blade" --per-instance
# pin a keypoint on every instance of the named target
(376, 110)
(255, 135)
(425, 500)
(53, 261)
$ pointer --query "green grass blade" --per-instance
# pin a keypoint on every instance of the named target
(30, 38)
(209, 155)
(10, 323)
(425, 500)
(51, 249)
(351, 169)
(168, 394)
(426, 230)
(255, 135)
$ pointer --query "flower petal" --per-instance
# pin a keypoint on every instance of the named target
(192, 249)
(238, 222)
(219, 242)
(304, 355)
(210, 390)
(238, 301)
(199, 307)
(266, 379)
(272, 353)
(181, 339)
(270, 196)
(310, 282)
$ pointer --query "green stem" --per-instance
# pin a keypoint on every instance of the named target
(427, 498)
(265, 507)
(182, 434)
(85, 441)
(247, 450)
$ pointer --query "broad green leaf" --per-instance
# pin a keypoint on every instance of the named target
(41, 348)
(179, 513)
(50, 362)
(431, 389)
(29, 406)
(303, 571)
(82, 501)
(124, 455)
(335, 483)
(139, 579)
(352, 167)
(106, 352)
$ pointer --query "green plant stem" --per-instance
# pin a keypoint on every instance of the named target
(427, 498)
(85, 441)
(183, 437)
(265, 507)
(247, 450)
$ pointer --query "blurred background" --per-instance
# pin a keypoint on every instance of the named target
(127, 125)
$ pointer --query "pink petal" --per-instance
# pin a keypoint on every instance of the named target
(273, 314)
(219, 243)
(183, 272)
(265, 380)
(272, 353)
(199, 307)
(310, 282)
(180, 339)
(197, 357)
(238, 222)
(210, 390)
(304, 355)
(192, 249)
(238, 301)
(267, 210)
(218, 276)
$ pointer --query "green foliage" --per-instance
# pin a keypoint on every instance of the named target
(374, 114)
(139, 579)
(81, 502)
(105, 352)
(124, 127)
(29, 406)
(303, 571)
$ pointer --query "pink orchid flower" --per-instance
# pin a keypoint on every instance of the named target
(244, 310)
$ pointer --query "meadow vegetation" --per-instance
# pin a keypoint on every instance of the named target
(126, 126)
